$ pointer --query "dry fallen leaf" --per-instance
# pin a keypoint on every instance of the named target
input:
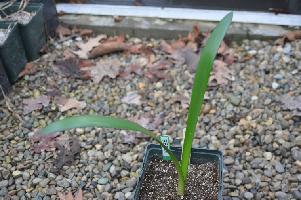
(187, 56)
(43, 142)
(63, 31)
(29, 69)
(157, 70)
(67, 104)
(86, 63)
(132, 98)
(193, 36)
(107, 48)
(129, 138)
(110, 68)
(135, 49)
(220, 74)
(178, 44)
(223, 48)
(142, 120)
(288, 37)
(35, 104)
(68, 54)
(68, 196)
(68, 149)
(228, 56)
(136, 67)
(166, 47)
(85, 32)
(85, 48)
(293, 35)
(70, 67)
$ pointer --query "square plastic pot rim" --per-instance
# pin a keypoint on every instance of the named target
(196, 154)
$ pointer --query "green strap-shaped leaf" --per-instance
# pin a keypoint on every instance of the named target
(106, 122)
(200, 86)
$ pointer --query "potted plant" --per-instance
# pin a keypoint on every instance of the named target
(31, 24)
(191, 165)
(4, 82)
(12, 51)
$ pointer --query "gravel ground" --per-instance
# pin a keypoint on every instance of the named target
(244, 118)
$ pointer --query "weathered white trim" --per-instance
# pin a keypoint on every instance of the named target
(180, 13)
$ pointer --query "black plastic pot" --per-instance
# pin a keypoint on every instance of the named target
(198, 156)
(50, 16)
(12, 52)
(32, 34)
(4, 82)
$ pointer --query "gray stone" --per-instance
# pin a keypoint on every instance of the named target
(3, 183)
(113, 170)
(275, 85)
(5, 174)
(256, 163)
(298, 140)
(17, 173)
(268, 155)
(268, 173)
(235, 100)
(26, 175)
(106, 167)
(299, 177)
(19, 181)
(267, 102)
(124, 173)
(3, 191)
(297, 194)
(105, 195)
(51, 191)
(103, 181)
(131, 182)
(43, 183)
(127, 158)
(128, 195)
(228, 160)
(287, 48)
(248, 195)
(63, 183)
(36, 181)
(279, 167)
(281, 195)
(100, 188)
(119, 196)
(296, 154)
(278, 76)
(268, 138)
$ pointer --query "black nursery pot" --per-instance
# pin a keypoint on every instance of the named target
(4, 82)
(12, 51)
(198, 157)
(32, 34)
(50, 16)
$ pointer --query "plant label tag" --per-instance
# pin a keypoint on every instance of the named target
(165, 140)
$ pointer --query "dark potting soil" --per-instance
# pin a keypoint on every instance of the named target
(161, 179)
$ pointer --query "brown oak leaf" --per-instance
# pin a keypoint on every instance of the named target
(35, 104)
(65, 104)
(103, 68)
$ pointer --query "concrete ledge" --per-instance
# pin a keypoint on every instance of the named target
(180, 13)
(167, 28)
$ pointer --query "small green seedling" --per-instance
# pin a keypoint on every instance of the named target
(200, 84)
